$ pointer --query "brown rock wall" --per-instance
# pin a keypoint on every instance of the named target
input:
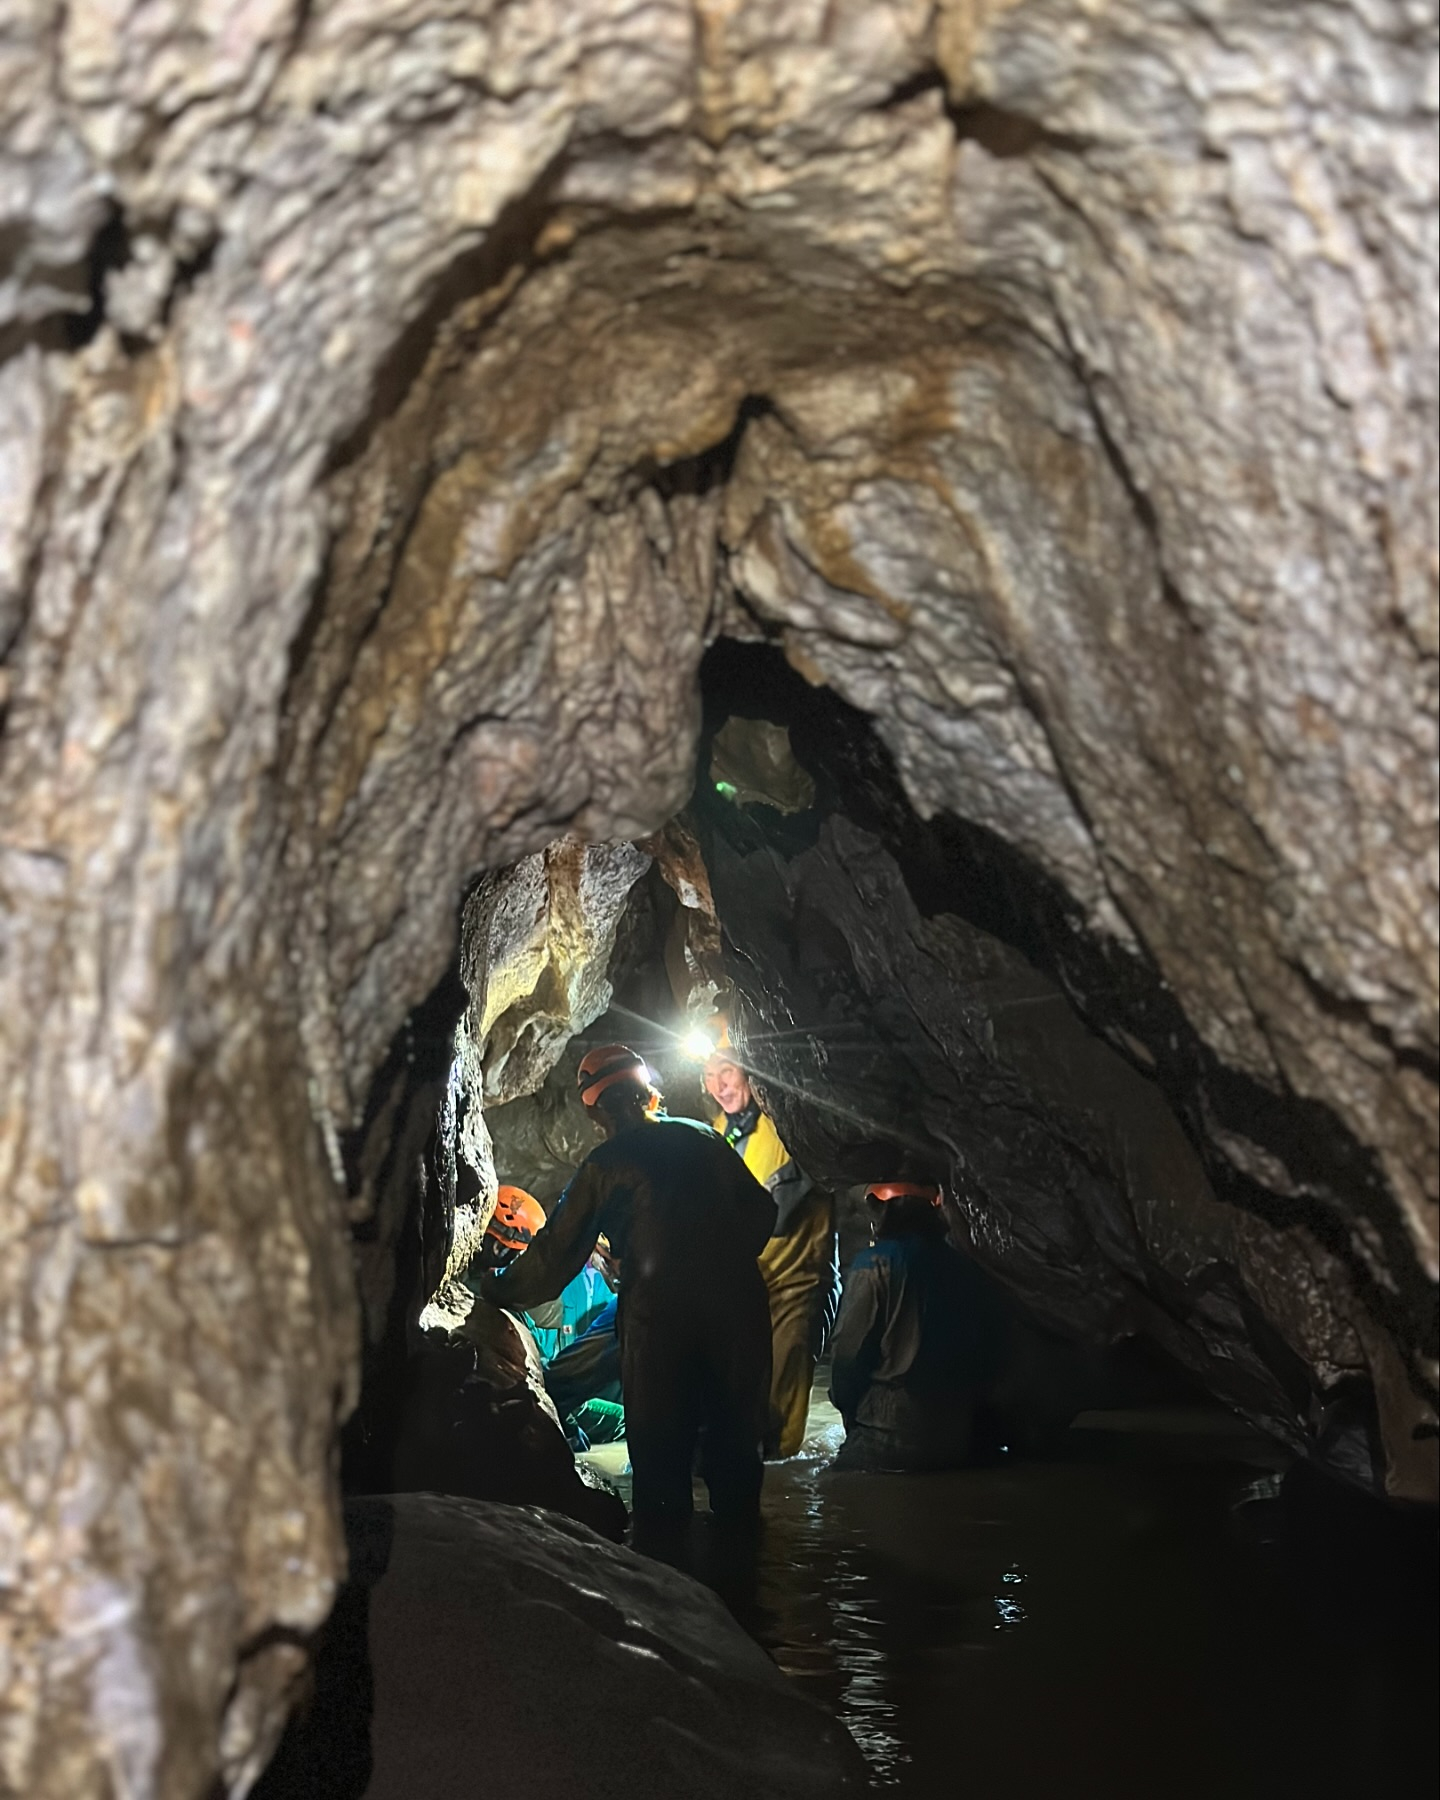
(366, 376)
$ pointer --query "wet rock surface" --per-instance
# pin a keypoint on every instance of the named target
(481, 1649)
(475, 1420)
(665, 966)
(392, 407)
(926, 1036)
(536, 946)
(1094, 1175)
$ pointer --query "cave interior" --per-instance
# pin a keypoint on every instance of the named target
(913, 521)
(1118, 1391)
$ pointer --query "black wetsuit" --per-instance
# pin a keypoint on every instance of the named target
(910, 1354)
(686, 1220)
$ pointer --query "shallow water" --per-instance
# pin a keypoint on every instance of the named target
(1101, 1626)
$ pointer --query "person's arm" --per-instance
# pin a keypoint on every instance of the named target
(754, 1207)
(788, 1187)
(776, 1170)
(557, 1253)
(855, 1346)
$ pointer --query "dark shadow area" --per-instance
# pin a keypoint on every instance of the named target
(110, 249)
(325, 1753)
(1141, 1617)
(476, 1654)
(997, 129)
(402, 1219)
(710, 468)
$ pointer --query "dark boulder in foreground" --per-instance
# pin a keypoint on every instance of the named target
(505, 1651)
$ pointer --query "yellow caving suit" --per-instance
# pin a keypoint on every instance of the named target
(802, 1276)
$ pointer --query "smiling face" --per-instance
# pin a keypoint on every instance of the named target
(725, 1083)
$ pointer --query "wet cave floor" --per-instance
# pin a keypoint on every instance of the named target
(1129, 1621)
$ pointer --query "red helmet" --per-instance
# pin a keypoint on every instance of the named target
(894, 1190)
(602, 1068)
(516, 1219)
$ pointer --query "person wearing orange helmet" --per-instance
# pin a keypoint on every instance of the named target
(555, 1325)
(800, 1263)
(686, 1222)
(909, 1351)
(516, 1219)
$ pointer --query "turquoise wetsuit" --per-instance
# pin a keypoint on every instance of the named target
(555, 1324)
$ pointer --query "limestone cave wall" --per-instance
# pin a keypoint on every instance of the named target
(393, 405)
(914, 1000)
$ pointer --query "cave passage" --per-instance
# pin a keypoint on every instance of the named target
(911, 525)
(1138, 1581)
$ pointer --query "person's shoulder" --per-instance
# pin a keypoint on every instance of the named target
(605, 1156)
(694, 1127)
(633, 1147)
(905, 1254)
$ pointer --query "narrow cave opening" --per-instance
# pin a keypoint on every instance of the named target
(1152, 1495)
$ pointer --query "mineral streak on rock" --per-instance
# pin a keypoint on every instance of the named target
(536, 943)
(369, 489)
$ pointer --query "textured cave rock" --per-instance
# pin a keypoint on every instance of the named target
(394, 403)
(751, 760)
(1310, 1276)
(536, 943)
(477, 1650)
(926, 1038)
(665, 965)
(452, 1398)
(694, 962)
(475, 1420)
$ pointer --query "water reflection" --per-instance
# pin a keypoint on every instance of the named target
(1009, 1611)
(856, 1637)
(1037, 1630)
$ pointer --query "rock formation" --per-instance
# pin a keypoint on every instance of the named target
(393, 404)
(452, 1398)
(480, 1649)
(886, 962)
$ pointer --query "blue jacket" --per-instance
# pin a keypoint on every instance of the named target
(555, 1324)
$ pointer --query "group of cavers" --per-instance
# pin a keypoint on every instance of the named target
(683, 1287)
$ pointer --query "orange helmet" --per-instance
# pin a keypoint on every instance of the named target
(602, 1068)
(516, 1219)
(894, 1190)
